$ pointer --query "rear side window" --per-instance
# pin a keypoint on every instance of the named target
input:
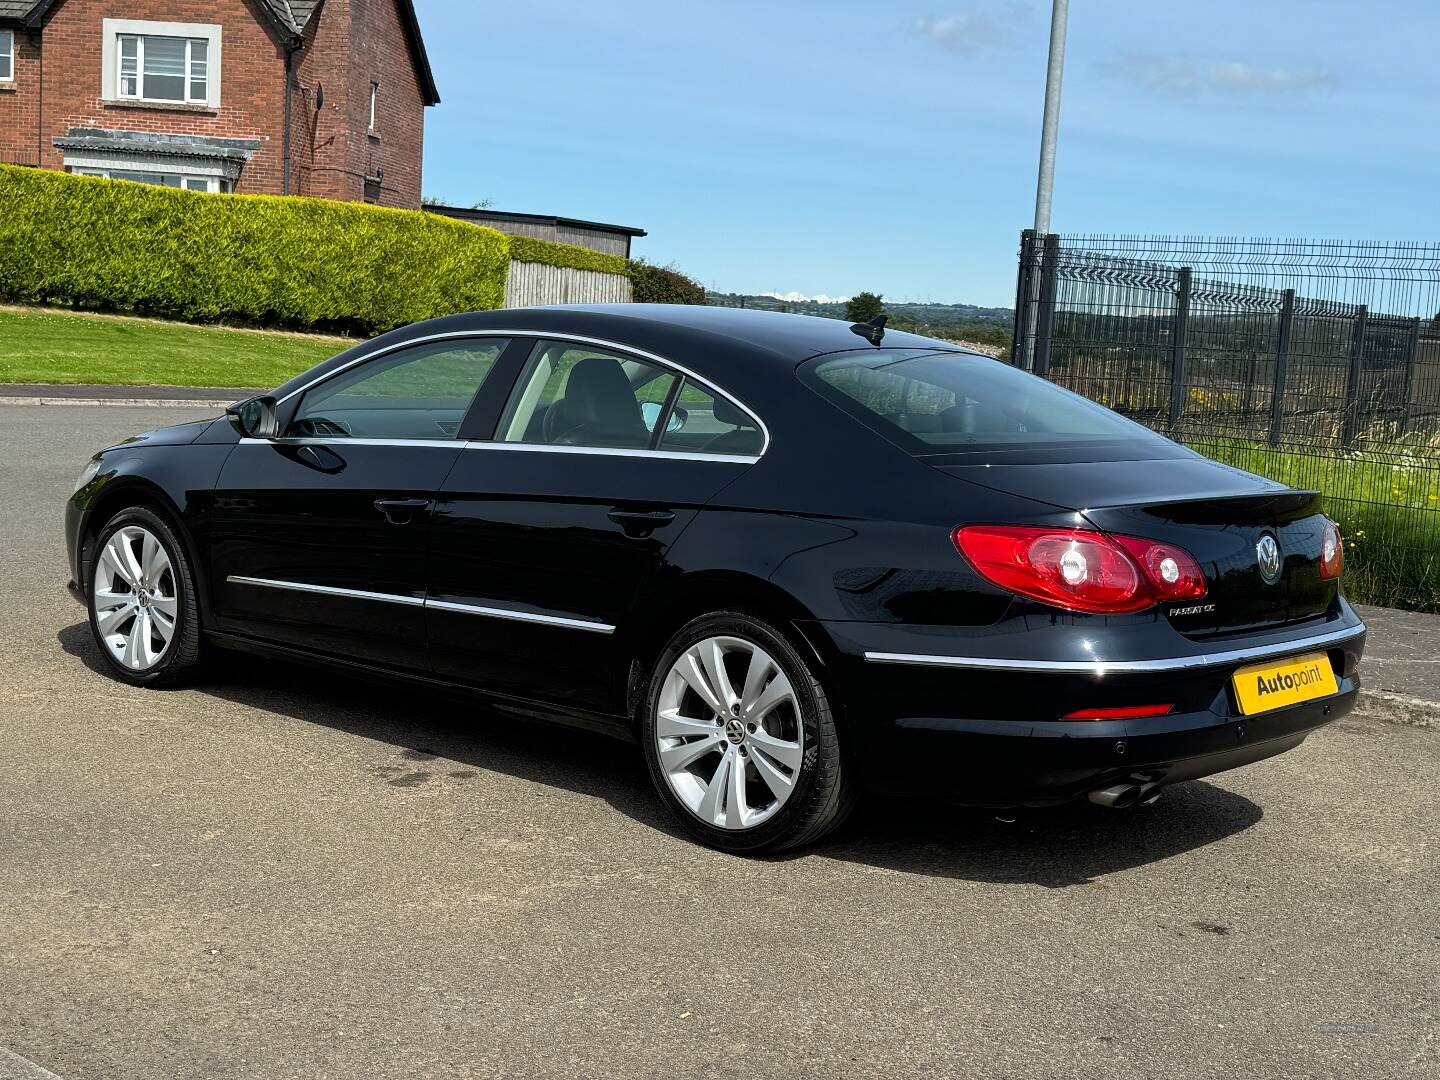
(942, 403)
(702, 423)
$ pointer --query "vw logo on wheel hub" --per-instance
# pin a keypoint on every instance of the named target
(1267, 555)
(734, 731)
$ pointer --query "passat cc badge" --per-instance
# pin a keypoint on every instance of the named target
(1267, 554)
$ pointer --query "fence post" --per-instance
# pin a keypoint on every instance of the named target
(1045, 323)
(1350, 423)
(1179, 377)
(1412, 354)
(1022, 297)
(1282, 364)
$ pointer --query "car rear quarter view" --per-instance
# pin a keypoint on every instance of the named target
(794, 560)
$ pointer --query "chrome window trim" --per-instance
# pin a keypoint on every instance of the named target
(425, 602)
(611, 451)
(345, 440)
(541, 335)
(1118, 667)
(485, 444)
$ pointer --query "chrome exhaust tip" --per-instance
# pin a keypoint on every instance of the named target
(1148, 794)
(1117, 796)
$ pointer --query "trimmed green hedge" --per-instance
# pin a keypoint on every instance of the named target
(528, 249)
(663, 285)
(256, 259)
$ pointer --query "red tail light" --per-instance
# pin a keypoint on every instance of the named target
(1080, 569)
(1123, 712)
(1332, 552)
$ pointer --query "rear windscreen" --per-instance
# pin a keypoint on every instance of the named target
(953, 403)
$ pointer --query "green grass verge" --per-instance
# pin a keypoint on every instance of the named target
(1386, 501)
(43, 346)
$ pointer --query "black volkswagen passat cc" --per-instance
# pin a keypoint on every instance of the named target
(792, 558)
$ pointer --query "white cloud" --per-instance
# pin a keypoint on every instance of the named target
(801, 298)
(1180, 76)
(1237, 78)
(972, 32)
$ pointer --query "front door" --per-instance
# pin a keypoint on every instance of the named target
(549, 534)
(319, 538)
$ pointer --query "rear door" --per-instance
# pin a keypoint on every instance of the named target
(549, 533)
(320, 537)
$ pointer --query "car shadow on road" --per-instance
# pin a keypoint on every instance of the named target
(441, 736)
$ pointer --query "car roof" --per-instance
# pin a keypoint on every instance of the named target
(731, 346)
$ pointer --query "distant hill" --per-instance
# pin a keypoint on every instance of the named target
(969, 323)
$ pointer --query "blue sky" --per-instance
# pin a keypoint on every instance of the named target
(838, 146)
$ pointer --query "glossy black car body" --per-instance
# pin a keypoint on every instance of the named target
(550, 580)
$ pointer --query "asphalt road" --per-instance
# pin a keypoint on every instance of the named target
(281, 875)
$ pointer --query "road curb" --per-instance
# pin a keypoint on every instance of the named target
(197, 403)
(15, 1067)
(1398, 709)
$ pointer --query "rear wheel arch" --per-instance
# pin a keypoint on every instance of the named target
(678, 601)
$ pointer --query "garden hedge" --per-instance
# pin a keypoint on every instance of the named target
(663, 285)
(528, 249)
(265, 260)
(256, 259)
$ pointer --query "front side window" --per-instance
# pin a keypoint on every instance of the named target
(422, 392)
(7, 55)
(945, 403)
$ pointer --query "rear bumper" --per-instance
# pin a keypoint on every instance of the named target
(989, 734)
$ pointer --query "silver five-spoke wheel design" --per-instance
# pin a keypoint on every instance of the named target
(730, 734)
(134, 596)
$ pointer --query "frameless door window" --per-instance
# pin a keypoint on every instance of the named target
(418, 393)
(703, 423)
(575, 395)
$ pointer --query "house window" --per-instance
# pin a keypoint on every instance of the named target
(7, 57)
(162, 179)
(374, 96)
(164, 68)
(160, 62)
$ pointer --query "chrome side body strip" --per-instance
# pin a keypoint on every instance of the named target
(326, 590)
(417, 601)
(521, 616)
(1118, 667)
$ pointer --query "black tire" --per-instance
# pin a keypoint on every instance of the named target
(181, 659)
(825, 792)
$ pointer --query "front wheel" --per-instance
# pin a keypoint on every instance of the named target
(740, 738)
(141, 598)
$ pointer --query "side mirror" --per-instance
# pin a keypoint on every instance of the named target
(650, 413)
(254, 418)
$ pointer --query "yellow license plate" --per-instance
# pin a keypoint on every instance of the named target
(1262, 687)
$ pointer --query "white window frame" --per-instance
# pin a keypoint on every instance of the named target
(112, 30)
(188, 181)
(7, 55)
(374, 97)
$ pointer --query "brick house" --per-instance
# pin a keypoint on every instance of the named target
(304, 97)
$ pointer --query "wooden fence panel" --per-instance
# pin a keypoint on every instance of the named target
(529, 284)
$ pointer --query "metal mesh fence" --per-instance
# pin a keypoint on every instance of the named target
(1316, 363)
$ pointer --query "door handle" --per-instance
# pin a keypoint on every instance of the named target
(640, 523)
(399, 511)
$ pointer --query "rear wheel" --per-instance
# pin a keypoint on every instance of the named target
(740, 739)
(141, 598)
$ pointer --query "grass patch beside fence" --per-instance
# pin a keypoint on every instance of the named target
(43, 346)
(1386, 500)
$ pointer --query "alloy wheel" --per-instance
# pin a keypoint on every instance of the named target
(729, 732)
(134, 597)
